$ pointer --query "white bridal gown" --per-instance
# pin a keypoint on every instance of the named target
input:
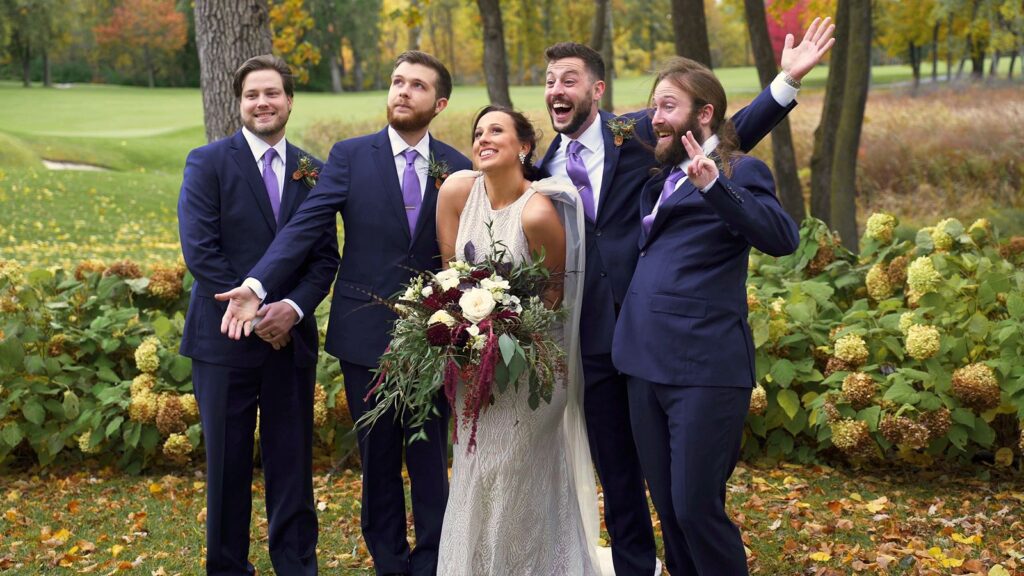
(517, 504)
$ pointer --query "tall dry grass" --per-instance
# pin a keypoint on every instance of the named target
(945, 152)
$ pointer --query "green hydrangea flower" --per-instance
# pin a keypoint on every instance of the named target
(146, 358)
(877, 282)
(922, 277)
(922, 341)
(852, 349)
(880, 227)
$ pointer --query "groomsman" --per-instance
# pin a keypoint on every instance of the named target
(609, 158)
(235, 195)
(682, 335)
(384, 187)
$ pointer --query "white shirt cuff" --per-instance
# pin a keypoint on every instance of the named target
(783, 93)
(707, 188)
(257, 287)
(294, 307)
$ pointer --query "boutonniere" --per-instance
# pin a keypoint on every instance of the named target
(622, 129)
(306, 172)
(439, 170)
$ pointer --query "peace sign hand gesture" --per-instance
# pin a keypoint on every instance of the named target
(702, 170)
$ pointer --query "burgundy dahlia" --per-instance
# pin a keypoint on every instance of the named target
(439, 335)
(480, 274)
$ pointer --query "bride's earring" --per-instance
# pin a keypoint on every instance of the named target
(522, 157)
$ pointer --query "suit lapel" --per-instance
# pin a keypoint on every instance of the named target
(543, 165)
(290, 198)
(611, 160)
(242, 155)
(391, 188)
(685, 189)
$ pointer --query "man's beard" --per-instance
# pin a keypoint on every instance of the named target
(674, 153)
(418, 120)
(267, 129)
(579, 117)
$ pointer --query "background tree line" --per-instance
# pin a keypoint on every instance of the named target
(342, 45)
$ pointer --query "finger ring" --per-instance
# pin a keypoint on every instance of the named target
(271, 334)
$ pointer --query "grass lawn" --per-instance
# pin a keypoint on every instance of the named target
(795, 520)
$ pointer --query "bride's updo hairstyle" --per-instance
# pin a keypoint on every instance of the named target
(524, 131)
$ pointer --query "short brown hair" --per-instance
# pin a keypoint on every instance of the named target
(264, 62)
(444, 77)
(592, 60)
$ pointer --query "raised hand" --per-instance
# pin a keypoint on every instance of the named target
(702, 170)
(242, 306)
(798, 60)
(275, 324)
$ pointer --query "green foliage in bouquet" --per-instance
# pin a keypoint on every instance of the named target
(482, 326)
(910, 351)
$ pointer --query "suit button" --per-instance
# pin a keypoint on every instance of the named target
(604, 274)
(597, 232)
(644, 253)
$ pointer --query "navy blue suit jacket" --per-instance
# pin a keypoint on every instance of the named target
(360, 182)
(684, 320)
(226, 224)
(612, 238)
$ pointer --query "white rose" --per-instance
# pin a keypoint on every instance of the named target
(476, 304)
(426, 292)
(441, 317)
(495, 284)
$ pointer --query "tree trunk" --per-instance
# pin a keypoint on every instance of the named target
(844, 164)
(949, 49)
(691, 31)
(47, 75)
(495, 60)
(825, 134)
(994, 65)
(935, 53)
(336, 74)
(415, 28)
(915, 66)
(601, 39)
(26, 67)
(449, 27)
(787, 182)
(358, 71)
(1013, 60)
(228, 32)
(150, 67)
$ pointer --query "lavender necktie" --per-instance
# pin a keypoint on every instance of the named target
(666, 191)
(577, 172)
(270, 181)
(411, 193)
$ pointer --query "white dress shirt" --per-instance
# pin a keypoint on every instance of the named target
(592, 154)
(259, 147)
(708, 146)
(398, 148)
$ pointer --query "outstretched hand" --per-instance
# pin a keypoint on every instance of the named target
(702, 170)
(242, 306)
(798, 60)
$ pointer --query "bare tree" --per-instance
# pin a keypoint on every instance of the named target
(691, 30)
(824, 135)
(228, 32)
(601, 40)
(851, 121)
(787, 182)
(495, 59)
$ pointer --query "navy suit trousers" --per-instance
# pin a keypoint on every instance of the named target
(383, 511)
(228, 398)
(688, 439)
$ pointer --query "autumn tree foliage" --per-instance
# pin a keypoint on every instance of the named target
(289, 23)
(143, 34)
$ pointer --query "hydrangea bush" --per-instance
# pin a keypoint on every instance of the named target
(910, 350)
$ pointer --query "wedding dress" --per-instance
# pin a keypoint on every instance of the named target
(524, 502)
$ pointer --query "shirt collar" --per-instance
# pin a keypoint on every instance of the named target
(259, 146)
(708, 147)
(591, 139)
(398, 145)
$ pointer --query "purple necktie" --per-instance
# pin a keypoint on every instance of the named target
(577, 172)
(411, 193)
(666, 191)
(270, 181)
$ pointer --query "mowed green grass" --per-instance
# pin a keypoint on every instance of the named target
(143, 136)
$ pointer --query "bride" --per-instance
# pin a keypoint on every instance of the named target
(523, 502)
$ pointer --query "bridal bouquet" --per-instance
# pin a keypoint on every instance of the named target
(482, 325)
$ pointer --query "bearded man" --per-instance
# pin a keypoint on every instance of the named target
(380, 186)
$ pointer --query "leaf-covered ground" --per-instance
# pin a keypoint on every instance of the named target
(795, 520)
